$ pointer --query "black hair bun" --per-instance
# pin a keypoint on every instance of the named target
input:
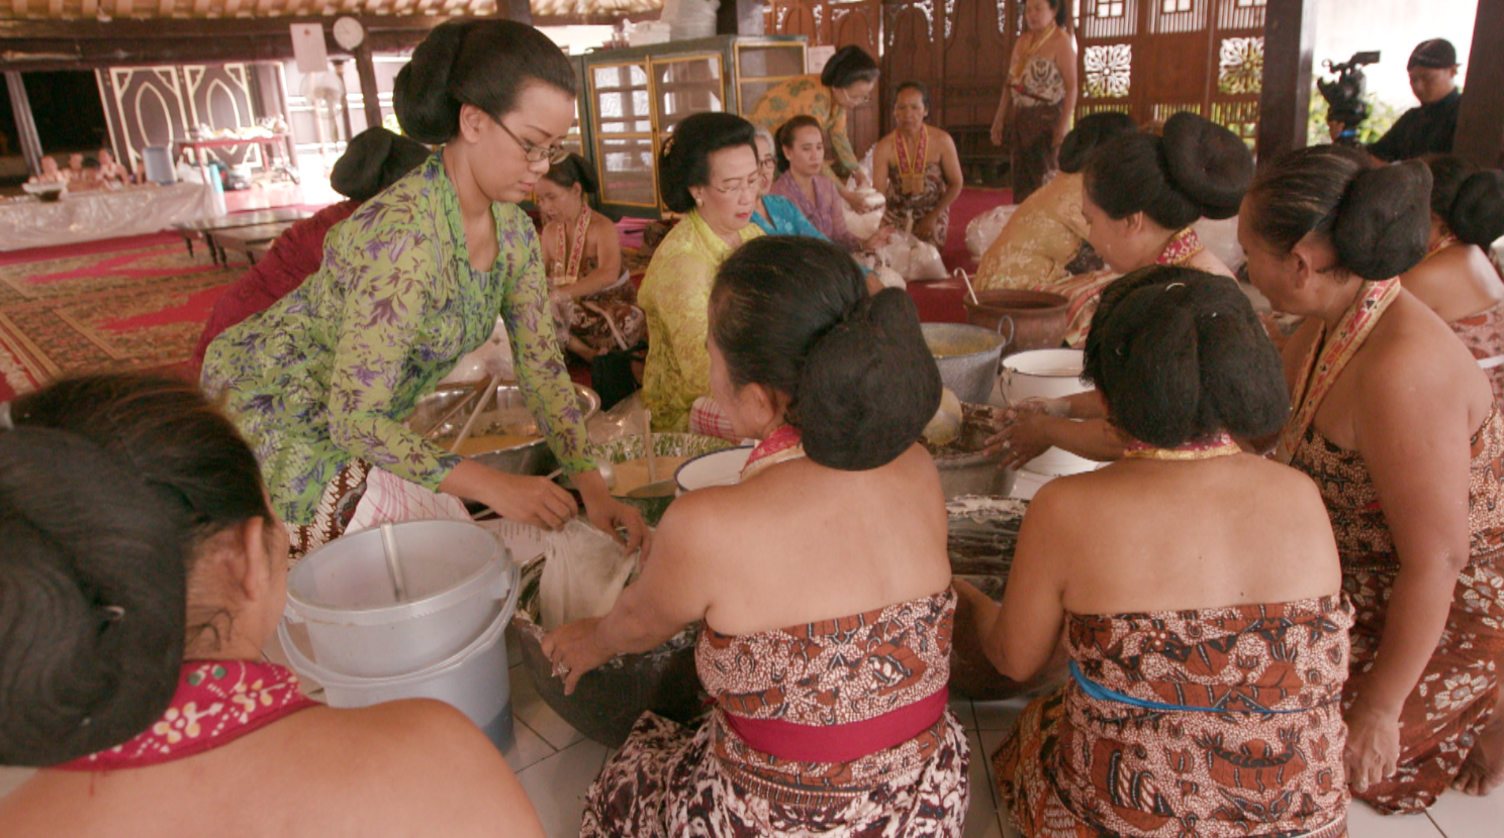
(1090, 132)
(426, 109)
(849, 65)
(1478, 213)
(1384, 221)
(92, 598)
(1207, 163)
(375, 159)
(869, 386)
(574, 169)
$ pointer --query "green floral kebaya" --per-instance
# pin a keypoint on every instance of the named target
(331, 372)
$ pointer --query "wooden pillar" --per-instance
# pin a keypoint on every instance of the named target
(370, 94)
(26, 126)
(339, 70)
(739, 17)
(1480, 120)
(1285, 103)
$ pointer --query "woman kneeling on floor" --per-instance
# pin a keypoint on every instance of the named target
(821, 579)
(1208, 649)
(143, 574)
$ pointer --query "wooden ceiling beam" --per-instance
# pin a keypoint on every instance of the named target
(12, 31)
(91, 8)
(54, 8)
(18, 8)
(164, 8)
(123, 8)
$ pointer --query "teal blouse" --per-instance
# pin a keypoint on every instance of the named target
(331, 372)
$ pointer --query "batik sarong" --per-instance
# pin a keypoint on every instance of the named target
(904, 207)
(1483, 334)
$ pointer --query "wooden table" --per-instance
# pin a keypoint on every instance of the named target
(251, 241)
(209, 226)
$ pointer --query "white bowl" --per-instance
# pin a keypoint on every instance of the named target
(1046, 374)
(718, 468)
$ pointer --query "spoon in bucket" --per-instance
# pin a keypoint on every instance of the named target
(654, 488)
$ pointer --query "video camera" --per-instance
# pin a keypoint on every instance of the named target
(1344, 94)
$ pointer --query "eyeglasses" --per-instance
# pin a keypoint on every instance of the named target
(554, 154)
(751, 184)
(767, 162)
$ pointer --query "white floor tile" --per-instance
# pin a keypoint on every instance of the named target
(964, 713)
(998, 715)
(1364, 822)
(557, 786)
(1458, 815)
(981, 814)
(530, 708)
(528, 748)
(991, 741)
(12, 778)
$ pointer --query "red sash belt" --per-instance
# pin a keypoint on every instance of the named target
(844, 742)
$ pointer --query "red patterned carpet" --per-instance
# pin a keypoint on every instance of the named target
(137, 305)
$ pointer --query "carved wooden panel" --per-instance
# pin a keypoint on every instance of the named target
(155, 106)
(837, 23)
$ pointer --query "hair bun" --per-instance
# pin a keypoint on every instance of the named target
(1090, 132)
(426, 109)
(92, 598)
(375, 159)
(1384, 221)
(1207, 163)
(869, 385)
(1478, 213)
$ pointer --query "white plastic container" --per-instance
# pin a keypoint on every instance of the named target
(473, 681)
(456, 574)
(1046, 374)
(718, 468)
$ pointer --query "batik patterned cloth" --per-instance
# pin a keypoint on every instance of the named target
(331, 372)
(1458, 690)
(1085, 290)
(1042, 237)
(1037, 101)
(675, 297)
(668, 780)
(806, 95)
(825, 212)
(216, 702)
(1251, 744)
(596, 319)
(1483, 334)
(902, 206)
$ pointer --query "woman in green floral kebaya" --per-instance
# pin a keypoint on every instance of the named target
(323, 382)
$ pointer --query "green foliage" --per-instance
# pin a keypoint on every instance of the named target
(1381, 117)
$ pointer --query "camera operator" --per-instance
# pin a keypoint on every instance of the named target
(1344, 95)
(1427, 129)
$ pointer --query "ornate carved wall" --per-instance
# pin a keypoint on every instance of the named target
(154, 106)
(838, 23)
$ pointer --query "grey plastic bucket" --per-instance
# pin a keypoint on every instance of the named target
(457, 576)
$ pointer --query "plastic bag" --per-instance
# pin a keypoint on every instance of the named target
(911, 258)
(494, 357)
(583, 575)
(983, 230)
(1221, 238)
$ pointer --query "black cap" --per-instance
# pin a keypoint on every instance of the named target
(1437, 54)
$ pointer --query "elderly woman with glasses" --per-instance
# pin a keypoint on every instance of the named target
(324, 381)
(708, 171)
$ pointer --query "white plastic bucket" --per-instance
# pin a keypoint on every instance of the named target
(455, 574)
(473, 680)
(718, 468)
(1046, 374)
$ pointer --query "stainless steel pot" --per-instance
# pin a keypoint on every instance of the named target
(967, 469)
(508, 414)
(967, 357)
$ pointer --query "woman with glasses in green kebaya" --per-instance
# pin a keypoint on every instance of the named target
(323, 382)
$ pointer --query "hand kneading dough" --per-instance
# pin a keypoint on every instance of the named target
(583, 574)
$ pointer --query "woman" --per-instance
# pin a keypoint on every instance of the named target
(594, 302)
(801, 152)
(374, 159)
(1455, 279)
(1142, 194)
(1044, 241)
(324, 379)
(1397, 425)
(1040, 96)
(835, 725)
(132, 646)
(917, 168)
(775, 214)
(1207, 650)
(708, 171)
(846, 82)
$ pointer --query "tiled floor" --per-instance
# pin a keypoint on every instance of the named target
(556, 764)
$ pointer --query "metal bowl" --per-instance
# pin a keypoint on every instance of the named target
(966, 466)
(507, 414)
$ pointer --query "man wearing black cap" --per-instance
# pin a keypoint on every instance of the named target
(1427, 129)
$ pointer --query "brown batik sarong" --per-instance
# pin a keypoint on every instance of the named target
(336, 508)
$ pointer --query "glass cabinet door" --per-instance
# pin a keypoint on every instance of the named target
(624, 132)
(760, 67)
(683, 85)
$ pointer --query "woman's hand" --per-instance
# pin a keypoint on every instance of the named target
(879, 239)
(1024, 435)
(925, 227)
(1373, 744)
(574, 649)
(607, 513)
(531, 500)
(997, 132)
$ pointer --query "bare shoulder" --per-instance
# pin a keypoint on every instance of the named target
(1207, 261)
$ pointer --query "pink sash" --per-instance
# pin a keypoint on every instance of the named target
(1328, 357)
(216, 703)
(844, 742)
(781, 445)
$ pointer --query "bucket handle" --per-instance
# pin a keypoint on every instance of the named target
(512, 579)
(1012, 330)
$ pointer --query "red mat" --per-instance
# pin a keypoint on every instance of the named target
(138, 304)
(940, 302)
